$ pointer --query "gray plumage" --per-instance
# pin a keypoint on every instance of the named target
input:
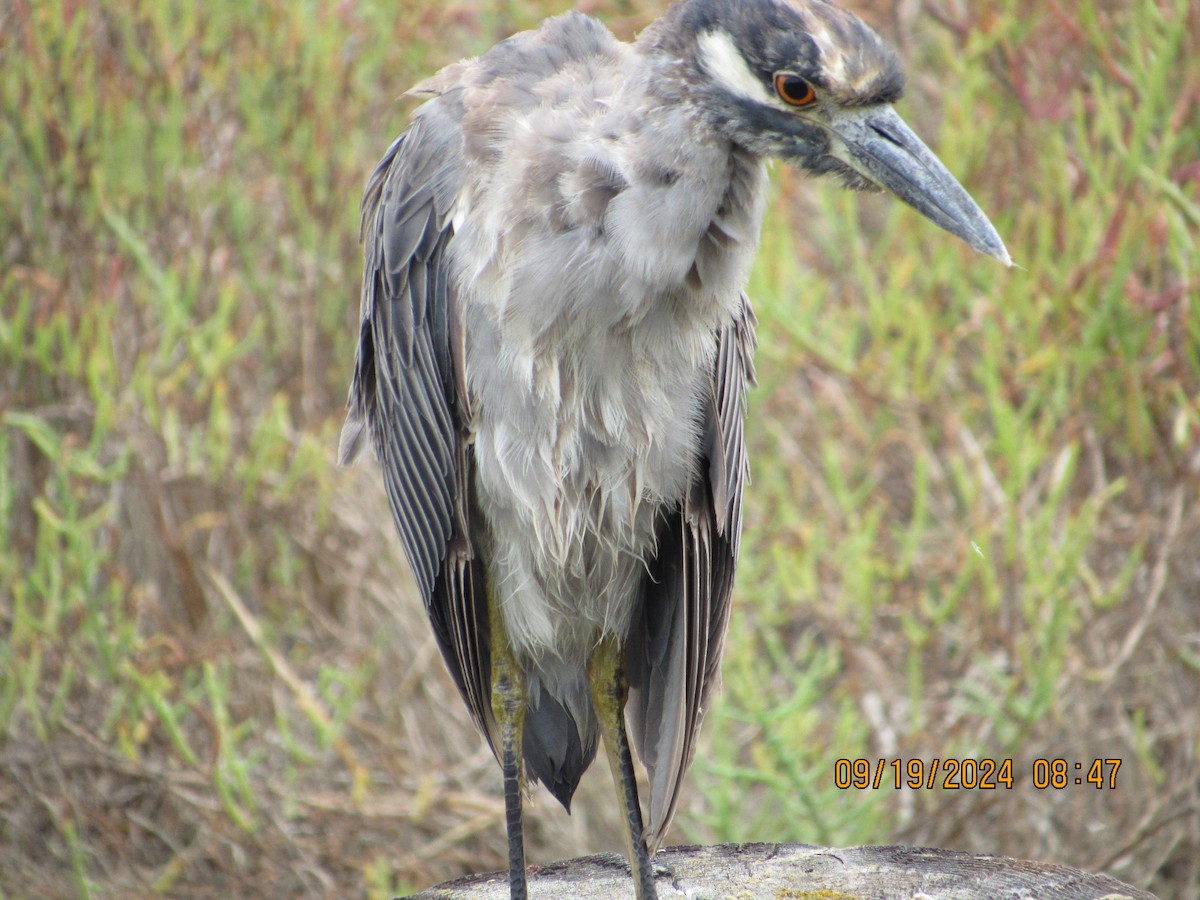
(555, 347)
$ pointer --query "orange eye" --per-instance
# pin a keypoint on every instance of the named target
(794, 90)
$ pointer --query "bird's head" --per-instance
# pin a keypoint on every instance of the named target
(811, 84)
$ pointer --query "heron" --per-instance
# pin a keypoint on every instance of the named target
(555, 349)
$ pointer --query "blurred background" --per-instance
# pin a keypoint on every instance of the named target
(973, 529)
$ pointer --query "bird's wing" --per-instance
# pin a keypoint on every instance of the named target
(674, 653)
(408, 390)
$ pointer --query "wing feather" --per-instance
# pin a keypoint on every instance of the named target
(407, 391)
(674, 653)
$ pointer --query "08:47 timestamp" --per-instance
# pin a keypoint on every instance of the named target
(1059, 773)
(971, 774)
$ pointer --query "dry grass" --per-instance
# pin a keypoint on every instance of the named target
(974, 528)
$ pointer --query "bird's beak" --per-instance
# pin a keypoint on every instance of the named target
(875, 142)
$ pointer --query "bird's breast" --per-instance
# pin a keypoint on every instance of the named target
(595, 271)
(576, 452)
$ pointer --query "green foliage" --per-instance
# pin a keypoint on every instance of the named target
(941, 447)
(178, 310)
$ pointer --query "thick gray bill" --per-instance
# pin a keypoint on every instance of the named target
(877, 144)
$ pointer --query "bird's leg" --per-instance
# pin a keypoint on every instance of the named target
(610, 690)
(508, 707)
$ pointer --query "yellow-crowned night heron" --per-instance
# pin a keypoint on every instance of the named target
(555, 350)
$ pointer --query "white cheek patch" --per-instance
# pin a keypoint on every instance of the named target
(725, 63)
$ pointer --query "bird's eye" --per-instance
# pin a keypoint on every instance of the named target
(794, 90)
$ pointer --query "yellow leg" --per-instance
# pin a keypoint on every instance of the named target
(508, 707)
(610, 690)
